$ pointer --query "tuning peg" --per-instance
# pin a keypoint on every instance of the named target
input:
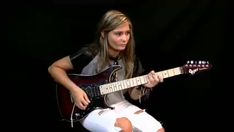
(203, 62)
(190, 62)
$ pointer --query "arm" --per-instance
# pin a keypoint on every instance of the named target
(135, 93)
(58, 71)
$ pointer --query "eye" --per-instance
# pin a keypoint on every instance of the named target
(118, 33)
(127, 33)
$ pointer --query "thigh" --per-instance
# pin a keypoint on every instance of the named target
(141, 120)
(101, 121)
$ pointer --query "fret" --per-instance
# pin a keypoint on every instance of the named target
(163, 74)
(128, 83)
(108, 88)
(178, 71)
(142, 80)
(170, 72)
(119, 86)
(133, 82)
(123, 84)
(115, 87)
(138, 80)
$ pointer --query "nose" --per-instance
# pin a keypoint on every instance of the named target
(125, 38)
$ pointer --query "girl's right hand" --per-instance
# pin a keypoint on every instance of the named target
(80, 98)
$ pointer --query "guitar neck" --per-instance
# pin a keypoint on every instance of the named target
(136, 81)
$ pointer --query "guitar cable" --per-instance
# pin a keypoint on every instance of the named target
(72, 114)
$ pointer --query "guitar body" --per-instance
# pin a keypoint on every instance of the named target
(90, 84)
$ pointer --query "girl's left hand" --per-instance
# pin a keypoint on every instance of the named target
(153, 79)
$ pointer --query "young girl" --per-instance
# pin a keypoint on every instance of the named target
(114, 45)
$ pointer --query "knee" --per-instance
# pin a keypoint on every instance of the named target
(161, 130)
(124, 123)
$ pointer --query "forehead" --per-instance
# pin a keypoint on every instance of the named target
(123, 27)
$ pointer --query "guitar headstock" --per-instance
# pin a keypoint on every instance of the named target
(193, 67)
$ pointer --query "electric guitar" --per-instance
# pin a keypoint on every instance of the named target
(97, 86)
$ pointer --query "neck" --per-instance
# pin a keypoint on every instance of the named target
(113, 54)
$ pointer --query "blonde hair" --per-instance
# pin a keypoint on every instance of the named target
(111, 20)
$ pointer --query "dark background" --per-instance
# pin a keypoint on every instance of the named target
(167, 33)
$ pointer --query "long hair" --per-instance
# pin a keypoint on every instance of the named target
(111, 20)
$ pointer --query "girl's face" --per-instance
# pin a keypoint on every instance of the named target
(118, 38)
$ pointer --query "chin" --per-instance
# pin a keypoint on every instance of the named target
(122, 49)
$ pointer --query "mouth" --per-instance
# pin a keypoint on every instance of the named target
(123, 45)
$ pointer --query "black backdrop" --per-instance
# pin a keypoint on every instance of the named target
(168, 33)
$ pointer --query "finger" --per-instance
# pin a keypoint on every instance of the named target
(84, 103)
(153, 72)
(150, 78)
(81, 106)
(160, 78)
(155, 77)
(86, 98)
(84, 106)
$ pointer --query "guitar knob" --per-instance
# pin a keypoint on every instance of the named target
(77, 114)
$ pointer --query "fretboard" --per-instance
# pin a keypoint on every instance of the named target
(136, 81)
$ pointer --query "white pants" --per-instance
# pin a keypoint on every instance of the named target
(103, 120)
